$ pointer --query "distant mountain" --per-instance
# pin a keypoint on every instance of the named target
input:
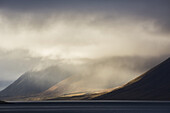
(72, 84)
(152, 85)
(95, 76)
(1, 102)
(63, 87)
(34, 82)
(90, 82)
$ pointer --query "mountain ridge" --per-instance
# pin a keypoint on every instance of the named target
(144, 87)
(34, 82)
(152, 85)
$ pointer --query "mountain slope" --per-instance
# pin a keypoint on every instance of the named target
(34, 82)
(1, 102)
(72, 84)
(152, 85)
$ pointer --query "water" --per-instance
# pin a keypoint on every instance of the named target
(87, 107)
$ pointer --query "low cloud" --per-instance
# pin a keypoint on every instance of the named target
(83, 37)
(130, 35)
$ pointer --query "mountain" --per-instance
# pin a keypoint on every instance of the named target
(90, 82)
(4, 83)
(1, 102)
(34, 82)
(71, 85)
(152, 85)
(97, 75)
(65, 86)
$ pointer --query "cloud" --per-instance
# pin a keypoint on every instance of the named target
(14, 63)
(83, 36)
(157, 10)
(40, 33)
(97, 74)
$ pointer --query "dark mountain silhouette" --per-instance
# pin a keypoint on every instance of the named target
(152, 85)
(1, 102)
(34, 82)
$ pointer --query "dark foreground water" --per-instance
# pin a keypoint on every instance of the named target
(87, 107)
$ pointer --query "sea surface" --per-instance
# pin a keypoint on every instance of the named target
(86, 107)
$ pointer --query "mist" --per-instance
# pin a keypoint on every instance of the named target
(96, 74)
(106, 44)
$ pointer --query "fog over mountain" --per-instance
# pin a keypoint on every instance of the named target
(87, 77)
(152, 85)
(4, 84)
(108, 41)
(33, 82)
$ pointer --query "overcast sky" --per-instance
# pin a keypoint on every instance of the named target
(34, 32)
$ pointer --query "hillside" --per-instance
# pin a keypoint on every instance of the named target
(1, 102)
(152, 85)
(34, 82)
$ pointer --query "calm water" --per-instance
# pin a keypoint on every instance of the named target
(87, 107)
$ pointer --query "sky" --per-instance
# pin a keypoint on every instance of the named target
(40, 33)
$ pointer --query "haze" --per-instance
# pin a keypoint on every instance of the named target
(123, 38)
